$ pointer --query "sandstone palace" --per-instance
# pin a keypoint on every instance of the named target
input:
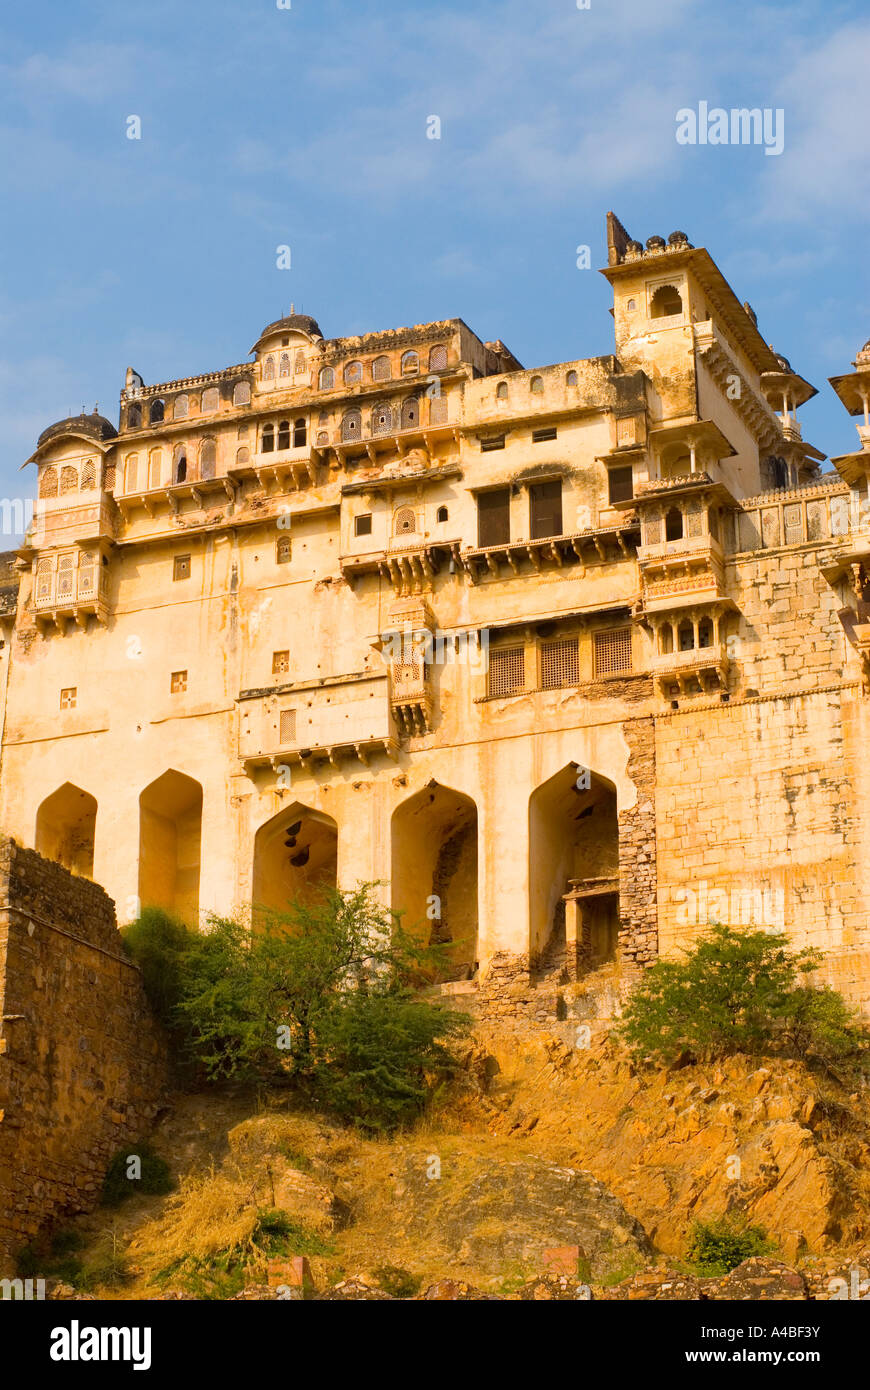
(567, 658)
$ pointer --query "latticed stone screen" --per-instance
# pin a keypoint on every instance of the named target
(559, 663)
(287, 729)
(613, 651)
(507, 672)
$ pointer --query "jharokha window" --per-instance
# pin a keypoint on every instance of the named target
(612, 650)
(506, 674)
(560, 664)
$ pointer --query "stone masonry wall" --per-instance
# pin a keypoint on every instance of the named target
(638, 934)
(82, 1063)
(761, 822)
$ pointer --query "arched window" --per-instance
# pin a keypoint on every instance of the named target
(382, 419)
(665, 303)
(381, 370)
(134, 417)
(353, 372)
(438, 358)
(155, 468)
(686, 636)
(210, 400)
(179, 464)
(410, 413)
(322, 438)
(410, 363)
(155, 414)
(351, 426)
(284, 434)
(207, 458)
(441, 514)
(299, 365)
(705, 633)
(89, 475)
(284, 365)
(536, 384)
(131, 473)
(438, 410)
(571, 379)
(300, 434)
(666, 639)
(48, 483)
(674, 525)
(501, 391)
(242, 393)
(243, 456)
(268, 439)
(283, 549)
(404, 522)
(326, 378)
(269, 369)
(181, 409)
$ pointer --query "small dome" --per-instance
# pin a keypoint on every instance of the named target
(655, 243)
(864, 354)
(94, 426)
(300, 323)
(783, 361)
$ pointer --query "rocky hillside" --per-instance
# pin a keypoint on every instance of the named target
(542, 1147)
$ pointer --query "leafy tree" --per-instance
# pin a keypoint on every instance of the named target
(738, 992)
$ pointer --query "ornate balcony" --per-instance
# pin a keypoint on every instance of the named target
(70, 586)
(699, 668)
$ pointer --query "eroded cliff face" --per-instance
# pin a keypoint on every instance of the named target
(767, 1137)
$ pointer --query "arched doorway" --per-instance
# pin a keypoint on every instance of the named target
(170, 834)
(295, 857)
(574, 863)
(65, 827)
(434, 872)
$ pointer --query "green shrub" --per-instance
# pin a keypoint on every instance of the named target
(155, 1178)
(739, 992)
(321, 997)
(277, 1233)
(159, 943)
(717, 1247)
(401, 1283)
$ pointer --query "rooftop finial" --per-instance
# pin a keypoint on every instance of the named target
(292, 308)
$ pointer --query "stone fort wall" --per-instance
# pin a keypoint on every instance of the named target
(82, 1063)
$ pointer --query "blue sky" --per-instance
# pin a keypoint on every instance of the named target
(307, 127)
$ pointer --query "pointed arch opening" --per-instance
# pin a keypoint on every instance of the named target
(434, 873)
(170, 836)
(65, 828)
(295, 858)
(574, 867)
